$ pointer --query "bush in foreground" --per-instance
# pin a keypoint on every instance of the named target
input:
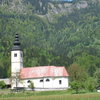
(2, 84)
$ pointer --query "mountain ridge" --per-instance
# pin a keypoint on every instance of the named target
(21, 6)
(43, 8)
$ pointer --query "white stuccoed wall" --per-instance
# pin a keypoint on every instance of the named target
(16, 65)
(64, 82)
(53, 84)
(16, 62)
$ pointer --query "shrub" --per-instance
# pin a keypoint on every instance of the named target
(75, 86)
(31, 85)
(2, 84)
(90, 84)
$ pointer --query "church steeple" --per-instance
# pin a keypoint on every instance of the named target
(16, 59)
(16, 44)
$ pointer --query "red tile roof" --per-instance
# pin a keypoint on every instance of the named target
(43, 71)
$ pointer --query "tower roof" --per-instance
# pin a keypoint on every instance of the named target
(16, 44)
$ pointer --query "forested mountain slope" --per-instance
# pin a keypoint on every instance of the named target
(71, 37)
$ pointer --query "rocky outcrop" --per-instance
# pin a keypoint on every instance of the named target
(44, 8)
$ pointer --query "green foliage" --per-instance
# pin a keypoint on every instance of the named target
(89, 62)
(31, 85)
(77, 73)
(90, 84)
(81, 80)
(78, 77)
(97, 76)
(72, 38)
(2, 84)
(75, 86)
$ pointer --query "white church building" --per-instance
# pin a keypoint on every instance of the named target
(43, 77)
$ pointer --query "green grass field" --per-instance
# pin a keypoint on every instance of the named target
(49, 95)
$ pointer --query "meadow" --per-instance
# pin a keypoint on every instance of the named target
(49, 95)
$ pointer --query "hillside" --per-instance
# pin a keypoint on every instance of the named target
(57, 37)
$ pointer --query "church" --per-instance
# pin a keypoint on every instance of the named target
(42, 77)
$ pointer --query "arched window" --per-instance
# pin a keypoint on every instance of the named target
(47, 80)
(28, 81)
(60, 82)
(41, 80)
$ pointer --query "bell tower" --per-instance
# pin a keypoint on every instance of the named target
(16, 56)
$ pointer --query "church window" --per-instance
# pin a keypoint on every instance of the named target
(60, 82)
(47, 80)
(15, 55)
(41, 80)
(28, 81)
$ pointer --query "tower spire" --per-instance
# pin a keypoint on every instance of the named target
(16, 59)
(16, 44)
